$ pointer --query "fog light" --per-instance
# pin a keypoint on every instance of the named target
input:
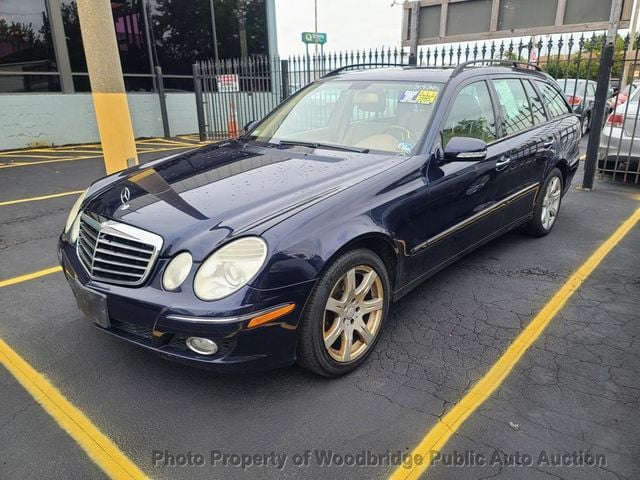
(203, 346)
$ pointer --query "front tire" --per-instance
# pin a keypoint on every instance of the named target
(345, 314)
(547, 206)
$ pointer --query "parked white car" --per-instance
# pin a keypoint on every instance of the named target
(619, 142)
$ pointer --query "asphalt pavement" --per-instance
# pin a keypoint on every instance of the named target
(576, 389)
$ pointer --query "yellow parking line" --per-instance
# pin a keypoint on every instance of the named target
(100, 448)
(438, 436)
(96, 444)
(92, 157)
(29, 155)
(35, 199)
(29, 276)
(42, 162)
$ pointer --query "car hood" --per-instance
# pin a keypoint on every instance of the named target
(207, 195)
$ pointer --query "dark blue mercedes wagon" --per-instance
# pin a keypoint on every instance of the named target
(291, 242)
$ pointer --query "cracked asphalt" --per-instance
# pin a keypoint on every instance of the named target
(577, 389)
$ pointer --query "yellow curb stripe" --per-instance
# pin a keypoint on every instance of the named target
(438, 436)
(35, 199)
(98, 446)
(29, 276)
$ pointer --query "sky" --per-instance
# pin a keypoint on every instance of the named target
(349, 24)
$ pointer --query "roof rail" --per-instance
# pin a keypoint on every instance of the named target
(362, 66)
(512, 63)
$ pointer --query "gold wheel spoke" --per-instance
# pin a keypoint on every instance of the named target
(371, 306)
(347, 344)
(336, 306)
(334, 333)
(350, 283)
(366, 284)
(364, 333)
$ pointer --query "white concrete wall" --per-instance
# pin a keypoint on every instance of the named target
(28, 120)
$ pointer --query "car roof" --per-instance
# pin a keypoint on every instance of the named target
(424, 74)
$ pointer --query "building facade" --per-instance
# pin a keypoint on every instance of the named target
(42, 63)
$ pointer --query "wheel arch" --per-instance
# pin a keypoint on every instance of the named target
(563, 166)
(380, 244)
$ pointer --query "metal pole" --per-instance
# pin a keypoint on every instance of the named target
(60, 45)
(214, 30)
(597, 119)
(107, 85)
(147, 36)
(272, 42)
(163, 103)
(284, 66)
(308, 65)
(197, 88)
(316, 39)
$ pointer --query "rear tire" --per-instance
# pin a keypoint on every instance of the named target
(345, 314)
(547, 206)
(585, 124)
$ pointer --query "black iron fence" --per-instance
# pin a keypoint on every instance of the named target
(232, 93)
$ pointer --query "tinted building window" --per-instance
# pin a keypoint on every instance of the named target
(179, 33)
(26, 46)
(130, 35)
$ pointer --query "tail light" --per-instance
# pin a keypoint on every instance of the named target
(616, 120)
(575, 101)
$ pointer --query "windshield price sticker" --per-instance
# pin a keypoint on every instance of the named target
(423, 97)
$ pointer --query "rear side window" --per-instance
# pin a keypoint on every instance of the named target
(471, 115)
(553, 99)
(514, 104)
(537, 109)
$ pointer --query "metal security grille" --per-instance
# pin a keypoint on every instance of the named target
(232, 93)
(113, 252)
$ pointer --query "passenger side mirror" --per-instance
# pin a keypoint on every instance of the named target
(465, 149)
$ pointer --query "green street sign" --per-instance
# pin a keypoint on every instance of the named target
(310, 37)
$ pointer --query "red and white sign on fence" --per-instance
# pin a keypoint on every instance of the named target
(228, 83)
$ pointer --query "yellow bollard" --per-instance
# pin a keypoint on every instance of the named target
(107, 85)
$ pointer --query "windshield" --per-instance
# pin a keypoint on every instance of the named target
(360, 115)
(573, 87)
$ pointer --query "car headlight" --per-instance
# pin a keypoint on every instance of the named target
(177, 271)
(75, 230)
(73, 214)
(230, 268)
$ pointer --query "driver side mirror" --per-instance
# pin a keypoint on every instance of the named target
(465, 149)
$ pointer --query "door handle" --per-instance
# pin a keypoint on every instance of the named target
(503, 163)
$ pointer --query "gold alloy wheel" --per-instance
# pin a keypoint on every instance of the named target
(353, 314)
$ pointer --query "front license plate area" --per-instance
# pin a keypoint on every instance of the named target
(92, 304)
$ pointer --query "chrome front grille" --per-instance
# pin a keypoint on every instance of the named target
(113, 252)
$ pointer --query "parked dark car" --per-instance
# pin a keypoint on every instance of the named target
(581, 95)
(292, 242)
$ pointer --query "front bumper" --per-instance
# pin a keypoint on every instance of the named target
(162, 321)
